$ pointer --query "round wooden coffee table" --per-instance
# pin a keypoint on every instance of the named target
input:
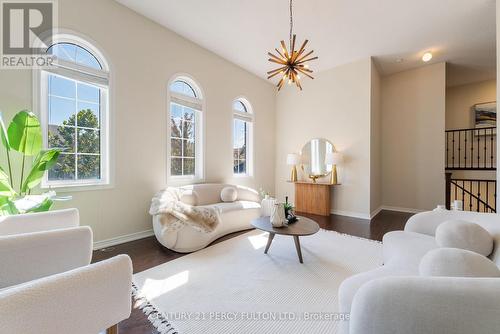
(304, 226)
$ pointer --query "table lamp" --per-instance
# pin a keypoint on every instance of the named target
(333, 158)
(293, 159)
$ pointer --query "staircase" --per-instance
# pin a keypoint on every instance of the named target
(471, 168)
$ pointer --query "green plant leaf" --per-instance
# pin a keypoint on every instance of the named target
(5, 188)
(42, 207)
(7, 207)
(3, 133)
(43, 162)
(25, 133)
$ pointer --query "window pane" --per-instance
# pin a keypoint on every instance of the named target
(89, 167)
(239, 106)
(242, 167)
(62, 137)
(235, 166)
(64, 51)
(176, 129)
(239, 146)
(61, 111)
(189, 149)
(188, 130)
(188, 113)
(84, 57)
(64, 169)
(176, 147)
(175, 110)
(88, 141)
(182, 87)
(88, 115)
(88, 93)
(176, 168)
(242, 153)
(239, 133)
(61, 87)
(188, 166)
(74, 53)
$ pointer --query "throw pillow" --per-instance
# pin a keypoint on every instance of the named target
(228, 194)
(454, 262)
(464, 235)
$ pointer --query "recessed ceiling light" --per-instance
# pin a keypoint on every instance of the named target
(427, 56)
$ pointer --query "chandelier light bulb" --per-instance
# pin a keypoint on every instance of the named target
(427, 56)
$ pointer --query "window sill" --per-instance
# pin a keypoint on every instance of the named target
(77, 187)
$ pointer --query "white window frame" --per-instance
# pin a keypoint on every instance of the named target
(247, 117)
(198, 104)
(77, 73)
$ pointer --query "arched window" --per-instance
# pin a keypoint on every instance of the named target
(185, 153)
(74, 113)
(242, 137)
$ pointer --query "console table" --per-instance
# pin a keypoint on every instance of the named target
(312, 198)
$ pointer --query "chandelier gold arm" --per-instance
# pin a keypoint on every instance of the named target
(291, 60)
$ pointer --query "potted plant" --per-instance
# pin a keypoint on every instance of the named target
(24, 135)
(289, 214)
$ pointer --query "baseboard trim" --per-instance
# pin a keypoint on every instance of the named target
(376, 212)
(122, 239)
(351, 214)
(400, 209)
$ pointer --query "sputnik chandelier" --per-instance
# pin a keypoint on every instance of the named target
(292, 63)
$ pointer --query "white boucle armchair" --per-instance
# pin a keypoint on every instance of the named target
(47, 284)
(395, 298)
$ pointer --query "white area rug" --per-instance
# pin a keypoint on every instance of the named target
(233, 287)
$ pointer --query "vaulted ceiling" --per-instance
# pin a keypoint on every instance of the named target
(395, 32)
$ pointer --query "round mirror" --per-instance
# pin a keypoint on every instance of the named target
(313, 157)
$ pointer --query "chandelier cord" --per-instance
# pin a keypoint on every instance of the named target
(291, 24)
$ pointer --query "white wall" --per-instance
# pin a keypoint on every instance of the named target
(335, 106)
(144, 56)
(460, 99)
(413, 146)
(391, 130)
(375, 141)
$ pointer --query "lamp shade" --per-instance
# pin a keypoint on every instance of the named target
(292, 159)
(333, 158)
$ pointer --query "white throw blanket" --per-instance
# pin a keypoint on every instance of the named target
(175, 214)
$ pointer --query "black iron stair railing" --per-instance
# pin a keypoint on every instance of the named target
(471, 149)
(476, 194)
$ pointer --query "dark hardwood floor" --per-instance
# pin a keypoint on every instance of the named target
(146, 253)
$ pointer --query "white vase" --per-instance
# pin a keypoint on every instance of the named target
(267, 206)
(278, 218)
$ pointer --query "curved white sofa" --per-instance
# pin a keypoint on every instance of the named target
(235, 216)
(395, 299)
